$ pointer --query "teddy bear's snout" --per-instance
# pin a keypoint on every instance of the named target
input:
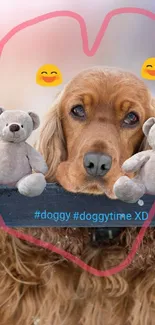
(14, 127)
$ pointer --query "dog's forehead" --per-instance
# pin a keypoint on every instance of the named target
(106, 84)
(14, 116)
(108, 76)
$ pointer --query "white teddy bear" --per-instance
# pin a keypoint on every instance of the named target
(143, 165)
(17, 158)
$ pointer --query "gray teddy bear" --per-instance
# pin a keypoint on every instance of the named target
(143, 164)
(18, 159)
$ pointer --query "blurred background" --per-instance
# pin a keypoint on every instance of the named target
(128, 41)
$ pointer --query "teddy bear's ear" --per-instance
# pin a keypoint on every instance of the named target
(1, 110)
(147, 125)
(35, 119)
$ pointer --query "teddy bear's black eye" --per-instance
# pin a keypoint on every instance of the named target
(22, 126)
(7, 124)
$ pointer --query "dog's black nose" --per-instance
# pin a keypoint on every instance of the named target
(97, 164)
(14, 127)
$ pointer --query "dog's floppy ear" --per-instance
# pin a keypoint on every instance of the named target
(51, 142)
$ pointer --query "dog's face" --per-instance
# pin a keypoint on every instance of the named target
(94, 126)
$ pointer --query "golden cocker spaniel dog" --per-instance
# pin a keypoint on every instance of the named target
(94, 125)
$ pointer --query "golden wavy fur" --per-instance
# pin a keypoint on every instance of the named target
(40, 287)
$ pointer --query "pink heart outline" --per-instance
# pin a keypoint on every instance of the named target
(81, 21)
(88, 52)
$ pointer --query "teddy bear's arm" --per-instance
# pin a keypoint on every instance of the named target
(36, 160)
(135, 162)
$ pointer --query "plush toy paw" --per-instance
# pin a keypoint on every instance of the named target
(32, 185)
(130, 165)
(127, 190)
(123, 189)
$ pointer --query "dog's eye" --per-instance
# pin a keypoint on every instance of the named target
(130, 119)
(78, 111)
(21, 126)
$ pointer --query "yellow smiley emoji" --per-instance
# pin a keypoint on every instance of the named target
(49, 76)
(148, 69)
